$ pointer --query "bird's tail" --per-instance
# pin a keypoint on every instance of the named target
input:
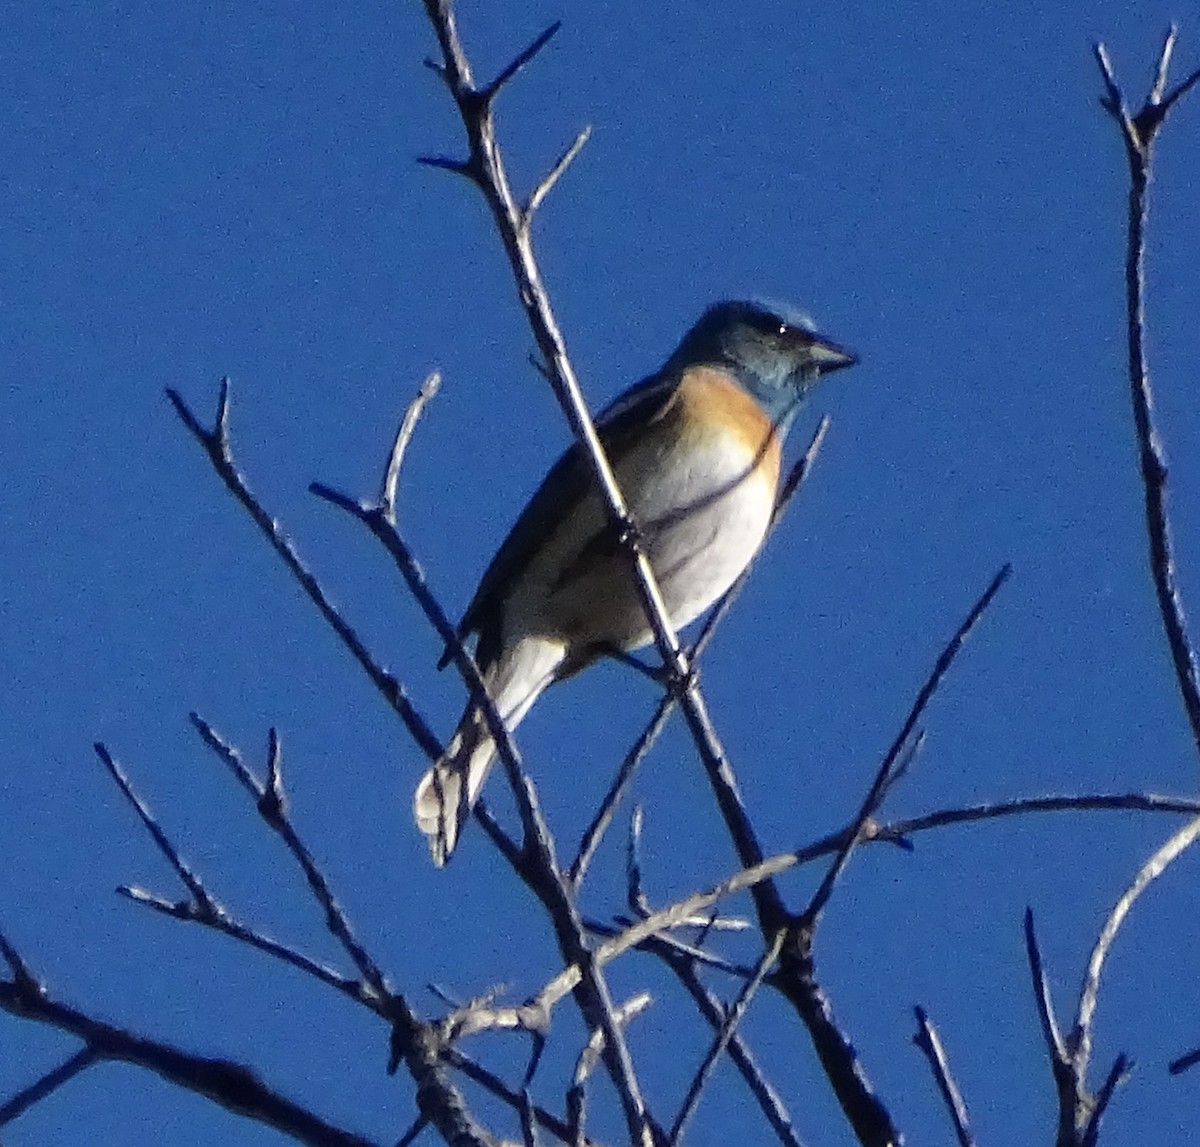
(443, 802)
(448, 791)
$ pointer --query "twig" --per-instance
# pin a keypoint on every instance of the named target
(724, 1034)
(528, 1120)
(50, 1082)
(217, 446)
(1117, 1074)
(928, 1040)
(204, 908)
(1184, 1062)
(896, 753)
(474, 1070)
(553, 175)
(488, 94)
(680, 959)
(1138, 133)
(23, 979)
(391, 474)
(1080, 1041)
(900, 830)
(270, 802)
(699, 956)
(1080, 1113)
(1067, 1085)
(771, 1105)
(411, 1041)
(375, 518)
(229, 1085)
(189, 912)
(635, 895)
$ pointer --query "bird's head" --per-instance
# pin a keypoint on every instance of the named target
(776, 357)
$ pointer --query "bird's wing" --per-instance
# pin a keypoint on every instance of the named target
(563, 487)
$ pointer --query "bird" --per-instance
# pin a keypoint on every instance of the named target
(696, 452)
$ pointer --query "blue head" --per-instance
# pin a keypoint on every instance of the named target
(777, 358)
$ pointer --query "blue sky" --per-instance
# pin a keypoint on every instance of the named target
(193, 192)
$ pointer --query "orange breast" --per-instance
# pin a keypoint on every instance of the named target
(713, 405)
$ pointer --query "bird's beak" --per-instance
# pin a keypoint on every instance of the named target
(825, 357)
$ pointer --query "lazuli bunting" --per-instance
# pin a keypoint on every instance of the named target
(695, 449)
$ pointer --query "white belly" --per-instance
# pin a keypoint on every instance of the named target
(702, 526)
(703, 512)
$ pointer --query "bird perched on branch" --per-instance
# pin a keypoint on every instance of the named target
(695, 449)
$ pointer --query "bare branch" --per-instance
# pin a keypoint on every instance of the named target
(724, 1034)
(557, 1127)
(391, 476)
(205, 905)
(475, 110)
(272, 806)
(553, 175)
(493, 89)
(376, 520)
(866, 1113)
(204, 908)
(1081, 1035)
(684, 910)
(900, 830)
(797, 982)
(1137, 133)
(896, 754)
(189, 912)
(216, 446)
(772, 1106)
(928, 1040)
(538, 862)
(50, 1082)
(229, 1085)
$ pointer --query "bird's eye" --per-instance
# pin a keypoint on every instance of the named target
(781, 330)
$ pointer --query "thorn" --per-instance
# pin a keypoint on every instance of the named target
(493, 89)
(445, 163)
